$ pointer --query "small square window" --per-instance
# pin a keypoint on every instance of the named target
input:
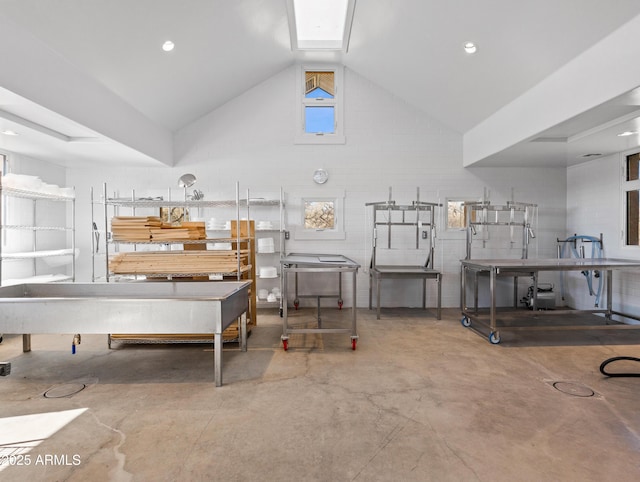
(319, 215)
(457, 214)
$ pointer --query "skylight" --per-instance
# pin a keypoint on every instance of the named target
(322, 24)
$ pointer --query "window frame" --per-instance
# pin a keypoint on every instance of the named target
(337, 233)
(337, 137)
(627, 186)
(453, 233)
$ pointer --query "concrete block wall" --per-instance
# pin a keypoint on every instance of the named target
(388, 144)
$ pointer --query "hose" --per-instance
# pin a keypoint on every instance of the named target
(617, 358)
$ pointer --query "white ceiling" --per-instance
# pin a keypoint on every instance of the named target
(412, 48)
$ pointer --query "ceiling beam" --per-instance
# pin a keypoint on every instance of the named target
(606, 70)
(34, 71)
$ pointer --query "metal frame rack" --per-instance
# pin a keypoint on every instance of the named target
(133, 202)
(279, 247)
(241, 240)
(576, 244)
(35, 254)
(483, 214)
(478, 215)
(424, 230)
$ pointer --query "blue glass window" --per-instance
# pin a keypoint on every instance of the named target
(319, 119)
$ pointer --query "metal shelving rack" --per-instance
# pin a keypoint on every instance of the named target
(35, 254)
(103, 240)
(134, 203)
(279, 245)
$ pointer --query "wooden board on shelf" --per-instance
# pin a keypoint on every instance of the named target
(231, 333)
(178, 262)
(193, 259)
(197, 230)
(152, 228)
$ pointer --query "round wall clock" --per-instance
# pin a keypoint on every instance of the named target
(320, 176)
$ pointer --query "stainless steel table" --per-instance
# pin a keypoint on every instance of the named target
(302, 263)
(515, 268)
(380, 272)
(137, 307)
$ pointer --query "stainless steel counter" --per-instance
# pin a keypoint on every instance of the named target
(515, 268)
(138, 307)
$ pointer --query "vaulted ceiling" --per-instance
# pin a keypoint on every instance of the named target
(93, 71)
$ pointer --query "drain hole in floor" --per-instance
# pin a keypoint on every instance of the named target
(575, 389)
(65, 390)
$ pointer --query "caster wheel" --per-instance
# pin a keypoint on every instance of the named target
(466, 321)
(285, 344)
(340, 303)
(353, 344)
(494, 338)
(1, 339)
(296, 303)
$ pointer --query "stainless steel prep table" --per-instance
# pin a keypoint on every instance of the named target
(378, 273)
(136, 307)
(531, 267)
(297, 263)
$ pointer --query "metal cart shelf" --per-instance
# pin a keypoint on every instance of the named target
(299, 263)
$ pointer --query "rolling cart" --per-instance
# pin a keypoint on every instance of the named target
(300, 263)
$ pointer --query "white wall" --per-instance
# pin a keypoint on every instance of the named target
(595, 205)
(389, 144)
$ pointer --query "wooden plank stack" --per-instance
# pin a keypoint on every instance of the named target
(151, 228)
(197, 229)
(179, 262)
(194, 262)
(134, 228)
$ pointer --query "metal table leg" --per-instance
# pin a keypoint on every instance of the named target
(217, 358)
(439, 309)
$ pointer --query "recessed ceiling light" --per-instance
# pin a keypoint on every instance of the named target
(627, 133)
(9, 133)
(470, 47)
(168, 46)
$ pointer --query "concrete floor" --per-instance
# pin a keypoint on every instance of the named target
(419, 400)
